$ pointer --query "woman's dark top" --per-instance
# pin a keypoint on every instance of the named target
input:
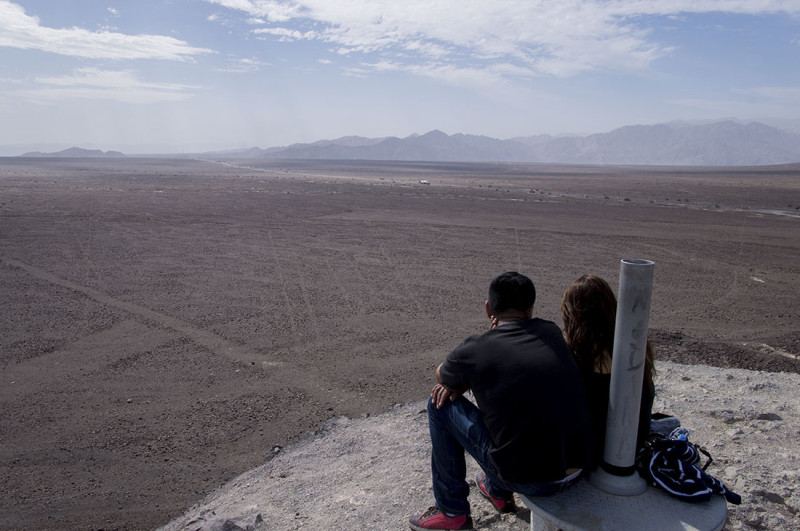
(597, 389)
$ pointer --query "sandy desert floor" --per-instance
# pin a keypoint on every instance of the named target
(167, 323)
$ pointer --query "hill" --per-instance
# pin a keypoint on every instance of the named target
(75, 152)
(727, 143)
(722, 143)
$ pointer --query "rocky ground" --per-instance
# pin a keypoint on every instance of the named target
(166, 324)
(372, 472)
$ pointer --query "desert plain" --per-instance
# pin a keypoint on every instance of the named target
(168, 324)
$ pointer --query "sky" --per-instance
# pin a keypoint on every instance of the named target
(153, 76)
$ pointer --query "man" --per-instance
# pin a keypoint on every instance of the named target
(529, 431)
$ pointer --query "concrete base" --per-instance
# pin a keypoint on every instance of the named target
(583, 507)
(632, 485)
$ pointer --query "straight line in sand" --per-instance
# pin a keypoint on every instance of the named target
(311, 381)
(211, 341)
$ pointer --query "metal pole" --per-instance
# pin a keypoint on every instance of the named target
(617, 473)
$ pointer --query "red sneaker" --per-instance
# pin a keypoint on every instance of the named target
(434, 519)
(504, 506)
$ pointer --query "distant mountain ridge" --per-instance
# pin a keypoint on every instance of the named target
(75, 152)
(717, 144)
(726, 143)
(722, 143)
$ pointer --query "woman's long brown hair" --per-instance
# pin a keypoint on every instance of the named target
(589, 311)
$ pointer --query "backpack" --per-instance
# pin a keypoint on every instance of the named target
(670, 463)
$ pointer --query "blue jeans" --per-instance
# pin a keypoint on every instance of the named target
(455, 427)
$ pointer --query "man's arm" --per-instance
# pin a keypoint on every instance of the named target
(442, 392)
(439, 374)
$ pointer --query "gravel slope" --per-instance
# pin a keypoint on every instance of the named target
(372, 472)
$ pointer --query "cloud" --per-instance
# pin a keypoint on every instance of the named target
(274, 11)
(285, 34)
(241, 66)
(96, 84)
(20, 30)
(545, 37)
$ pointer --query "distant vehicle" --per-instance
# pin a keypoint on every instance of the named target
(423, 181)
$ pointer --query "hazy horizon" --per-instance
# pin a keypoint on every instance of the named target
(136, 150)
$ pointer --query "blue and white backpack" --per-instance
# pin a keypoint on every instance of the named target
(670, 463)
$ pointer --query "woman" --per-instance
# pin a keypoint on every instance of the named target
(589, 311)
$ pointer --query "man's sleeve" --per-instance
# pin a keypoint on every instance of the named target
(454, 371)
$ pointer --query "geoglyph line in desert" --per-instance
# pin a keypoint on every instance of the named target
(211, 341)
(311, 381)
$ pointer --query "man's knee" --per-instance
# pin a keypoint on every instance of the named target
(439, 412)
(432, 409)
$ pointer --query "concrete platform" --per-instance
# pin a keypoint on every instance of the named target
(583, 507)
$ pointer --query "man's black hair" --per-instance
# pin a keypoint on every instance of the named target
(511, 291)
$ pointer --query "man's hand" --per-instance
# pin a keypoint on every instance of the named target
(442, 393)
(494, 322)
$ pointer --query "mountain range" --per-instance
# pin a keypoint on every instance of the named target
(723, 143)
(74, 152)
